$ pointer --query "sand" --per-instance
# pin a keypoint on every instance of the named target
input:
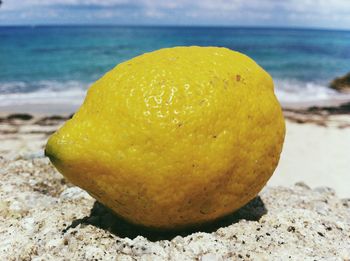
(42, 217)
(317, 155)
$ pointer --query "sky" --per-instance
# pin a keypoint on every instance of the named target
(278, 13)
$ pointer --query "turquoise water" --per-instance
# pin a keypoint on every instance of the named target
(59, 62)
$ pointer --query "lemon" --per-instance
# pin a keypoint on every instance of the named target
(175, 137)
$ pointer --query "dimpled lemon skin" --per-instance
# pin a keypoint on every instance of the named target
(175, 137)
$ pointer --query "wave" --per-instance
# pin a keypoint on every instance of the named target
(294, 91)
(42, 92)
(288, 91)
(43, 85)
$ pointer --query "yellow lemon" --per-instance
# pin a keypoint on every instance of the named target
(175, 137)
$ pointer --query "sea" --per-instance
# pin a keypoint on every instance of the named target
(56, 64)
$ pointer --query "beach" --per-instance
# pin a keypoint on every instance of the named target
(46, 217)
(316, 150)
(303, 212)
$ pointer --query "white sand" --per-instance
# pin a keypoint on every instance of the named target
(316, 155)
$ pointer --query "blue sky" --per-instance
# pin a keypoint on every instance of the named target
(289, 13)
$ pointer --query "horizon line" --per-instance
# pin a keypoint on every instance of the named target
(177, 25)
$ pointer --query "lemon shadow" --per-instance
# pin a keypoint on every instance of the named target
(101, 217)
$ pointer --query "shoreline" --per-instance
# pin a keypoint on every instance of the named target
(39, 110)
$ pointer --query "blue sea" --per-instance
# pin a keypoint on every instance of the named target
(56, 64)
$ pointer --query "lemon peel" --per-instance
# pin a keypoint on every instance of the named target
(175, 137)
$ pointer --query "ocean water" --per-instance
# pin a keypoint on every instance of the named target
(56, 64)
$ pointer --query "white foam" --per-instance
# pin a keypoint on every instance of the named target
(49, 92)
(293, 91)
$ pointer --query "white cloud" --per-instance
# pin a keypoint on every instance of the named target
(322, 13)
